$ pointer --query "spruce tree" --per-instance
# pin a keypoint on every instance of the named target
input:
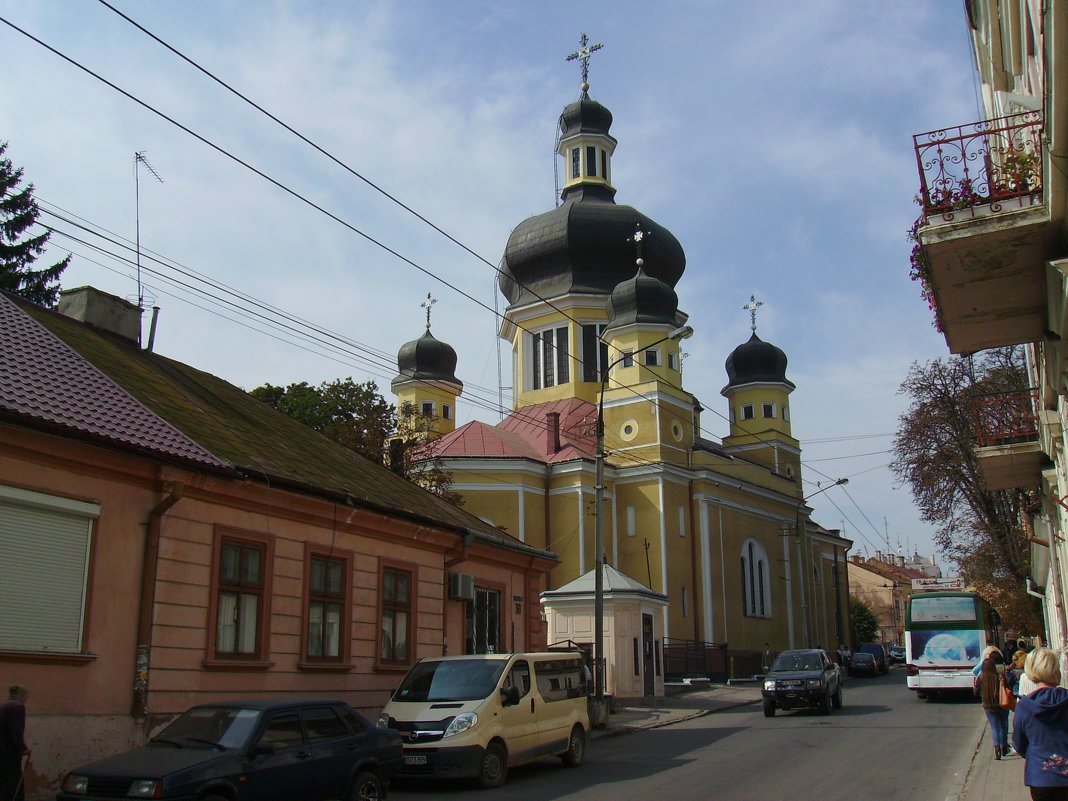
(18, 212)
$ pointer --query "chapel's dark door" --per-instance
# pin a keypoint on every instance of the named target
(648, 664)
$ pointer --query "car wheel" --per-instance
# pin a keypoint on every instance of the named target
(576, 748)
(825, 704)
(836, 700)
(367, 787)
(769, 708)
(494, 768)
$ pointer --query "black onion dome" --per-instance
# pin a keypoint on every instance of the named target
(642, 299)
(756, 361)
(585, 116)
(426, 359)
(584, 246)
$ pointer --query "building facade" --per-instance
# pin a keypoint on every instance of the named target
(720, 528)
(994, 259)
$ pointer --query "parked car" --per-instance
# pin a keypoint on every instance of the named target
(475, 716)
(265, 750)
(863, 664)
(878, 650)
(802, 680)
(897, 654)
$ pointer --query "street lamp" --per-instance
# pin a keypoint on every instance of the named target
(685, 332)
(802, 548)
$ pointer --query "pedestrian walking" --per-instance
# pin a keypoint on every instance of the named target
(990, 684)
(1040, 734)
(13, 744)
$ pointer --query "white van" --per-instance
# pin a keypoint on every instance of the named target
(478, 715)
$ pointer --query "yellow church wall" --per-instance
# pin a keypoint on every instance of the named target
(501, 509)
(418, 393)
(684, 618)
(643, 498)
(565, 537)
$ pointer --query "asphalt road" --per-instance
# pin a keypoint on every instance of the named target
(883, 745)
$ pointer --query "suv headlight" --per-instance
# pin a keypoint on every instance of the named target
(79, 785)
(145, 788)
(813, 684)
(461, 723)
(769, 685)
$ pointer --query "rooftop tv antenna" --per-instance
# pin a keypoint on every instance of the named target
(139, 160)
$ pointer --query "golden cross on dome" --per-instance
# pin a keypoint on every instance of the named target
(751, 307)
(583, 54)
(426, 304)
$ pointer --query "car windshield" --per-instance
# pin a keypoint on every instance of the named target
(210, 727)
(451, 680)
(863, 658)
(797, 662)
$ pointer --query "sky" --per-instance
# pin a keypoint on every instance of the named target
(772, 138)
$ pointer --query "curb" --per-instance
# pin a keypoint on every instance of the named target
(964, 773)
(661, 724)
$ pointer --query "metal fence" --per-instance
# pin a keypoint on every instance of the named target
(691, 659)
(1006, 418)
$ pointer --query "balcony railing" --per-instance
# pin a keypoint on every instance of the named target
(987, 165)
(1006, 418)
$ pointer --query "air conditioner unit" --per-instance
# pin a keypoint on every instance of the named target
(461, 587)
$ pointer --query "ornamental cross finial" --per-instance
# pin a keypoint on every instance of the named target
(583, 55)
(426, 304)
(638, 237)
(751, 307)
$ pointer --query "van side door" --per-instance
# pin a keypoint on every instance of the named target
(562, 687)
(519, 722)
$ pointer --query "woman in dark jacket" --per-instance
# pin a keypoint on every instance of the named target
(990, 692)
(1040, 733)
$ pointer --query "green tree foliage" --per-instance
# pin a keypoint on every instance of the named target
(18, 213)
(358, 417)
(863, 625)
(935, 455)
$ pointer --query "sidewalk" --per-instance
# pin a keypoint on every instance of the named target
(982, 777)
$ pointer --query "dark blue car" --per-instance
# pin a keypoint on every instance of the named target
(265, 750)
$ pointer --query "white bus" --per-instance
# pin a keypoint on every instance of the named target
(945, 634)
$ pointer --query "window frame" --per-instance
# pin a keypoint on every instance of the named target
(412, 570)
(765, 407)
(591, 163)
(550, 357)
(590, 334)
(655, 353)
(502, 615)
(576, 163)
(756, 580)
(310, 661)
(258, 659)
(672, 361)
(748, 411)
(423, 404)
(446, 411)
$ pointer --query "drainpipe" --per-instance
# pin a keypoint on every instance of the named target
(149, 568)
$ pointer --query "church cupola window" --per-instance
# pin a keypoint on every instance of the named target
(652, 357)
(550, 358)
(672, 361)
(591, 161)
(426, 408)
(748, 413)
(446, 411)
(628, 359)
(768, 409)
(594, 352)
(786, 413)
(576, 163)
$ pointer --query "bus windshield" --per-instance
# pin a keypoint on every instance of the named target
(451, 680)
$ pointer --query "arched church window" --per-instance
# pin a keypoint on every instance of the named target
(756, 589)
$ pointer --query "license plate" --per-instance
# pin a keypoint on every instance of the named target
(415, 759)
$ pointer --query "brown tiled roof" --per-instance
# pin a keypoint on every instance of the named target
(43, 379)
(210, 416)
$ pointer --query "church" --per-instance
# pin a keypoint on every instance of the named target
(716, 528)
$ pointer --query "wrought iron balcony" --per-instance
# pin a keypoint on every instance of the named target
(1006, 418)
(983, 167)
(1006, 426)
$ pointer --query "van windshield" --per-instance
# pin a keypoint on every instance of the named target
(451, 680)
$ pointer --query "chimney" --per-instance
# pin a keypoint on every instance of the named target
(552, 432)
(89, 305)
(878, 556)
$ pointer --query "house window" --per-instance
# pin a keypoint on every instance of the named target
(426, 408)
(747, 412)
(756, 587)
(768, 409)
(594, 352)
(550, 358)
(45, 544)
(240, 597)
(396, 590)
(672, 360)
(591, 160)
(327, 584)
(484, 622)
(576, 167)
(446, 411)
